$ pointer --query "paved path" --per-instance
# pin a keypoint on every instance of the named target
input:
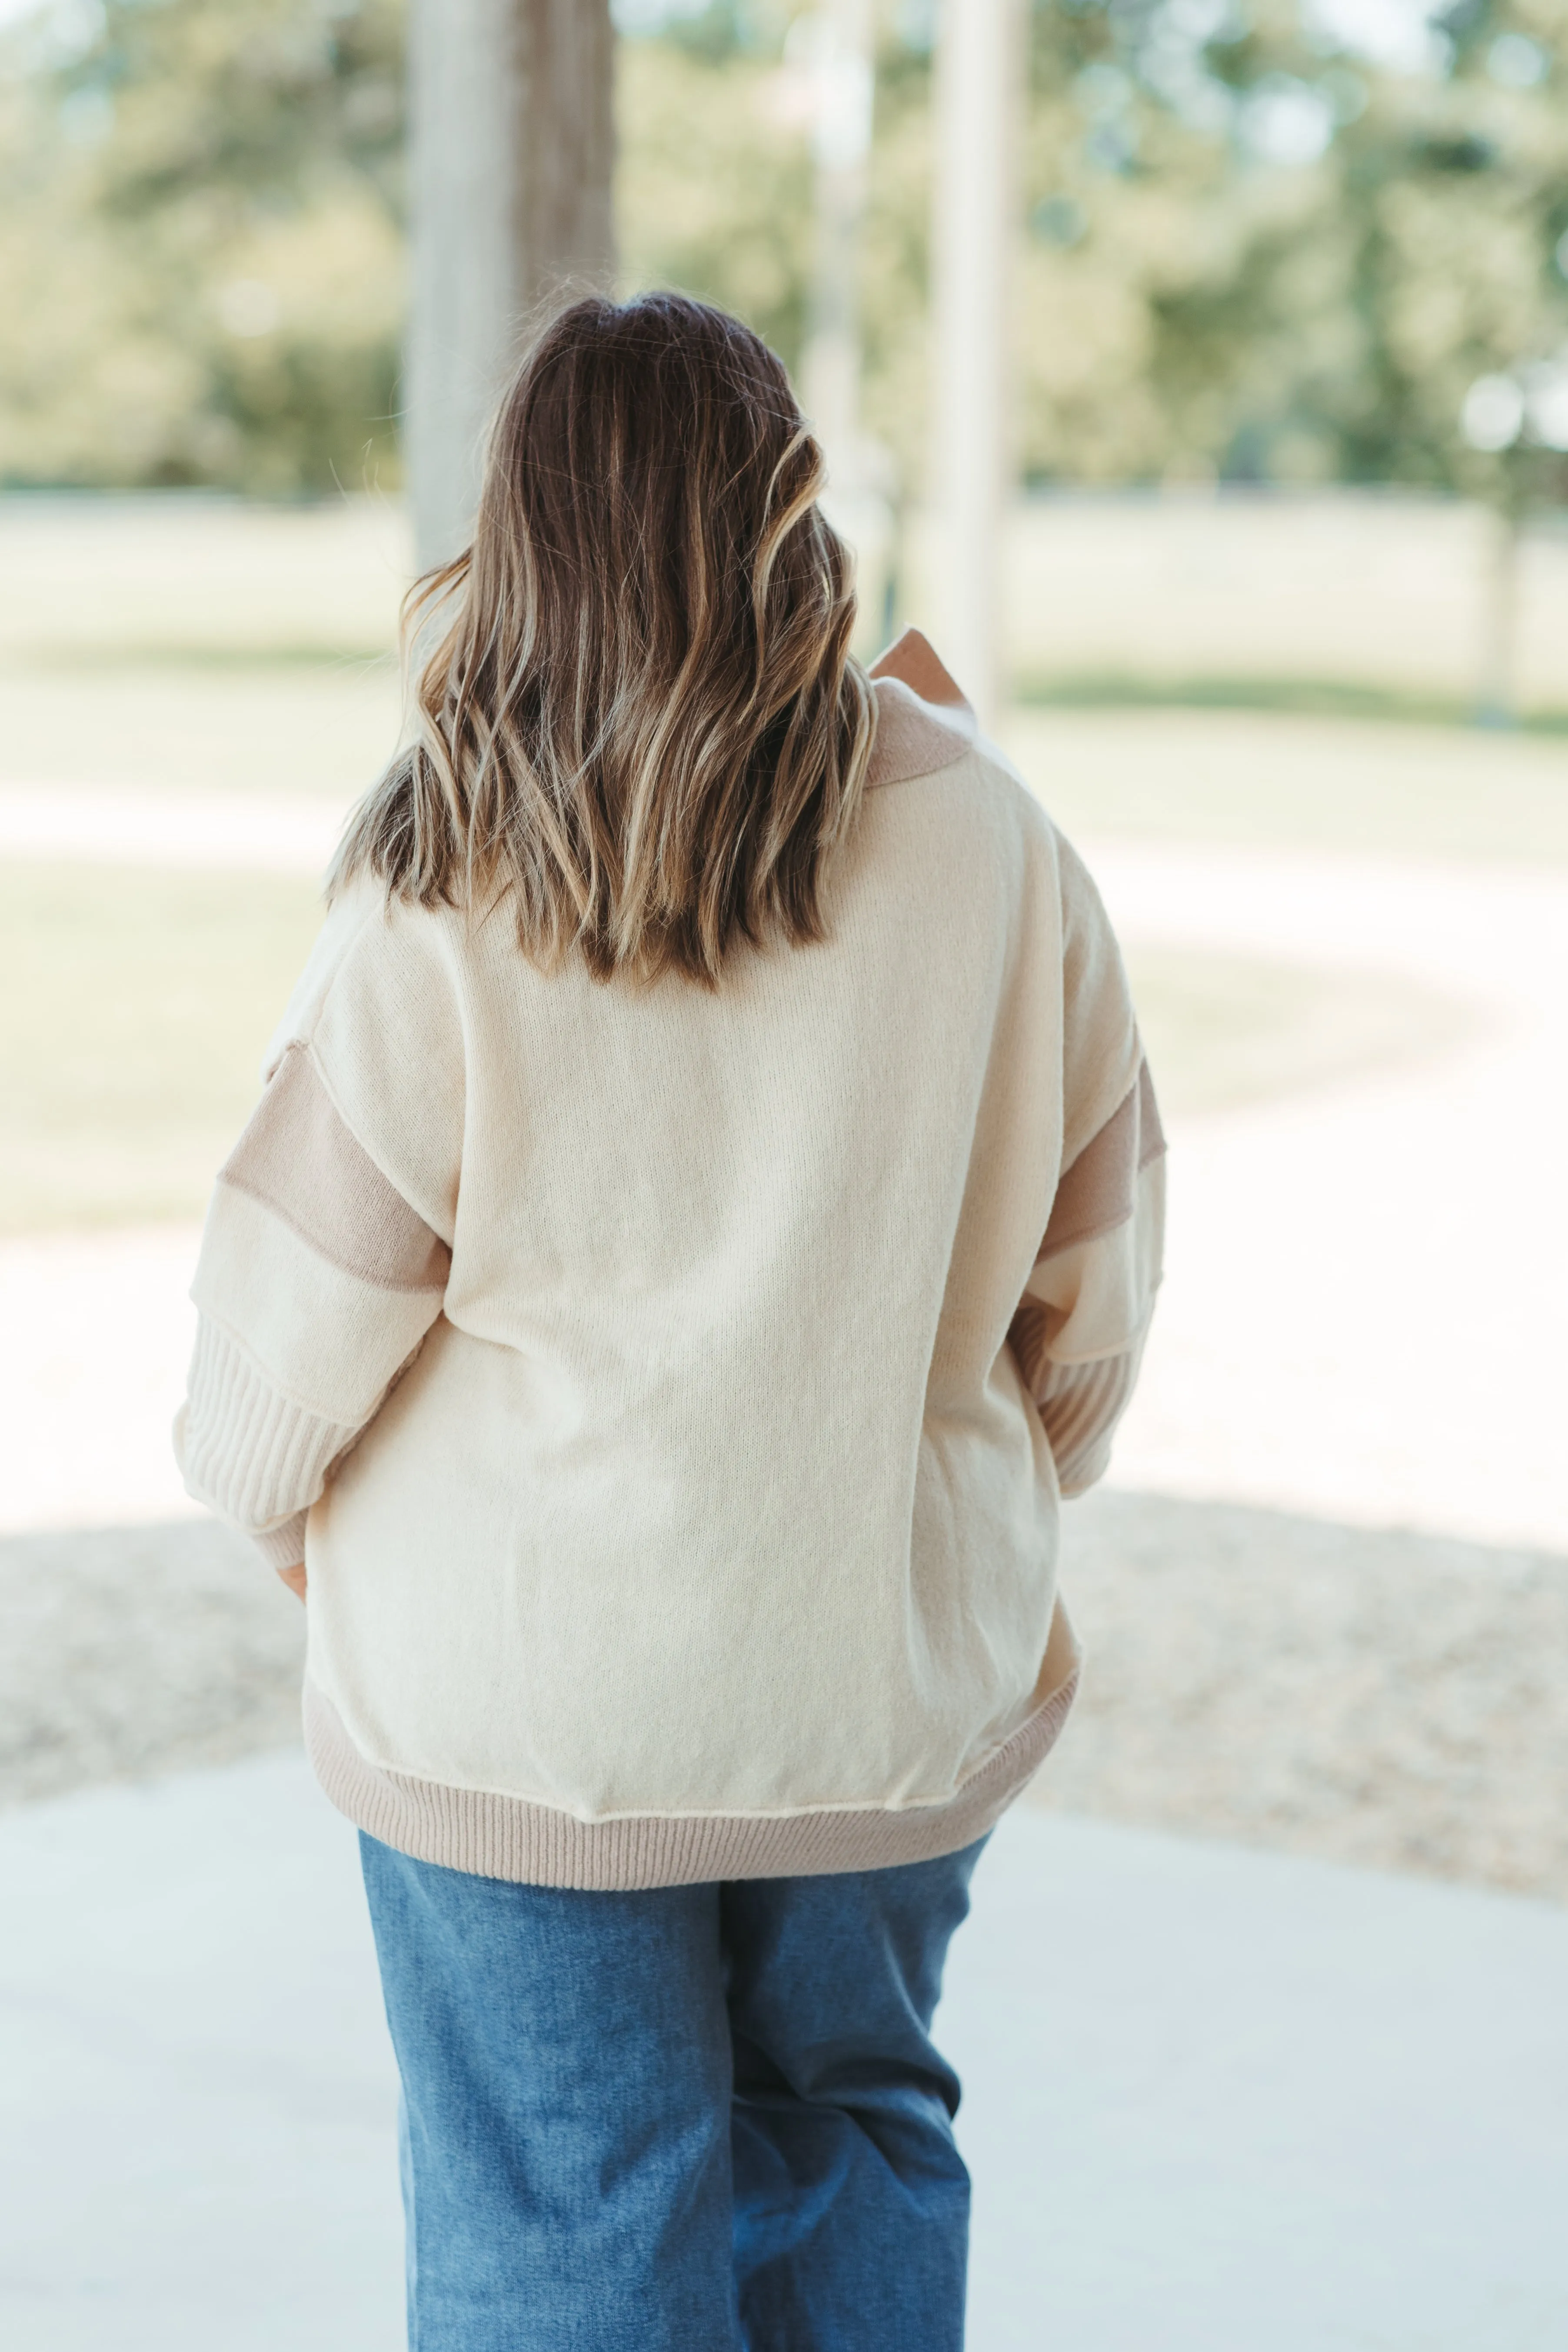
(1367, 1283)
(1215, 2101)
(1388, 1699)
(195, 2142)
(105, 1329)
(101, 826)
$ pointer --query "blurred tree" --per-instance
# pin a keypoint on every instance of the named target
(1462, 212)
(1432, 344)
(201, 230)
(713, 188)
(1282, 257)
(1292, 240)
(1138, 325)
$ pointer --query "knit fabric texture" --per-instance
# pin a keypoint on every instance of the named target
(670, 1390)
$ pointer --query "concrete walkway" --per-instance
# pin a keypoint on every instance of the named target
(1366, 1282)
(205, 831)
(1215, 2101)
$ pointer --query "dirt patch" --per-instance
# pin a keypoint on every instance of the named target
(131, 1651)
(1386, 1698)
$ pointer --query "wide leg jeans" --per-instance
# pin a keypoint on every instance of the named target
(686, 2119)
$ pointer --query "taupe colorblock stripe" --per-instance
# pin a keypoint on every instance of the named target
(1028, 1335)
(914, 660)
(299, 1159)
(1097, 1193)
(1081, 1405)
(924, 723)
(508, 1837)
(911, 740)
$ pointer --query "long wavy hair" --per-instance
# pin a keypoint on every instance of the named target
(641, 720)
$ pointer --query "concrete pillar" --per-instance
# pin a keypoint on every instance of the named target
(842, 71)
(834, 45)
(510, 151)
(979, 69)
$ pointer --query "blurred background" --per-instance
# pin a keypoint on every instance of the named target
(1265, 590)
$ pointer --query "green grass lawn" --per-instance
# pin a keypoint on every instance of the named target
(319, 728)
(135, 1006)
(324, 729)
(205, 647)
(1310, 697)
(1286, 781)
(1223, 1031)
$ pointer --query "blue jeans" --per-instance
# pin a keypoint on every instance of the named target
(689, 2119)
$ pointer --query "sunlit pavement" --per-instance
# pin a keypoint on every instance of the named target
(196, 2137)
(1366, 1283)
(102, 1331)
(1214, 2100)
(182, 830)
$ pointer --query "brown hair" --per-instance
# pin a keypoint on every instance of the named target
(642, 722)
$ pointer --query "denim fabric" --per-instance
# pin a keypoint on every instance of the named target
(688, 2119)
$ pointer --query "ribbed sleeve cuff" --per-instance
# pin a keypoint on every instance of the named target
(283, 1547)
(1081, 1405)
(254, 1455)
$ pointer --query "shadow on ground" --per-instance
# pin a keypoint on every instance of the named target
(126, 1651)
(1370, 1697)
(1365, 1696)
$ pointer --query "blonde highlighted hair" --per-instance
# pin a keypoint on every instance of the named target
(641, 720)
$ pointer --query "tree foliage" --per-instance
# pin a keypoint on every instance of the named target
(204, 241)
(1249, 246)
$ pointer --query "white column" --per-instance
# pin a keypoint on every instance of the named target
(837, 47)
(980, 62)
(510, 151)
(842, 73)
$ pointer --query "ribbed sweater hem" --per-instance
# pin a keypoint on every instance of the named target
(496, 1836)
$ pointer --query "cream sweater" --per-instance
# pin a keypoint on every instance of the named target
(670, 1392)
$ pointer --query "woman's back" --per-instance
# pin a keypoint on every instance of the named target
(703, 1210)
(714, 1511)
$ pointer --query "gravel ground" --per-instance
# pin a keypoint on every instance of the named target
(1383, 1698)
(131, 1651)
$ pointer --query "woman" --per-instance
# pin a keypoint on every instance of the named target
(704, 1209)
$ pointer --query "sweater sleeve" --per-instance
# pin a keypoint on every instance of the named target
(327, 1246)
(1081, 1327)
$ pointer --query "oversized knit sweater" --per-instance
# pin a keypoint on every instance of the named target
(670, 1390)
